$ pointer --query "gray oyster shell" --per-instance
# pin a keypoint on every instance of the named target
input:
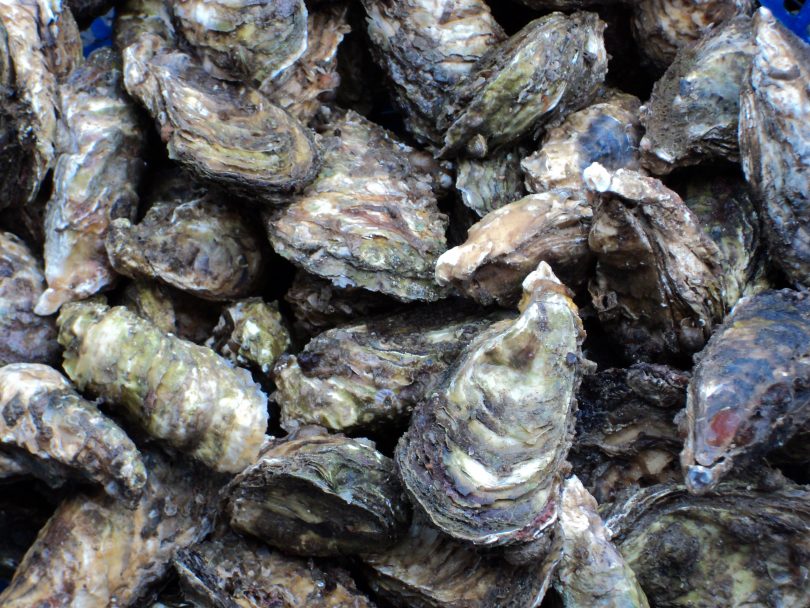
(490, 183)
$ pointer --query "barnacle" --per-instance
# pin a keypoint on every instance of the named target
(490, 183)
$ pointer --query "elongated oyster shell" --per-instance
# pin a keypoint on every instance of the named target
(54, 433)
(372, 374)
(490, 183)
(95, 180)
(751, 387)
(428, 569)
(24, 336)
(607, 132)
(694, 110)
(95, 552)
(369, 219)
(775, 142)
(592, 572)
(551, 67)
(246, 40)
(427, 48)
(319, 494)
(484, 454)
(737, 546)
(508, 243)
(200, 246)
(179, 392)
(659, 283)
(229, 570)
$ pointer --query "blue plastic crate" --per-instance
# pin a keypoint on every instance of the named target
(99, 33)
(795, 16)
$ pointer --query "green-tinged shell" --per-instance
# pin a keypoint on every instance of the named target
(318, 494)
(201, 246)
(183, 394)
(485, 453)
(55, 434)
(371, 374)
(24, 336)
(775, 142)
(750, 391)
(95, 552)
(95, 180)
(251, 333)
(428, 569)
(694, 110)
(368, 220)
(607, 132)
(663, 27)
(245, 40)
(738, 546)
(490, 183)
(592, 573)
(551, 67)
(428, 48)
(508, 243)
(229, 570)
(659, 284)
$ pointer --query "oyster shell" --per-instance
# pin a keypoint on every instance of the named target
(751, 386)
(659, 285)
(775, 142)
(490, 183)
(24, 336)
(694, 110)
(181, 393)
(371, 374)
(318, 494)
(508, 243)
(551, 67)
(54, 433)
(95, 180)
(370, 218)
(485, 453)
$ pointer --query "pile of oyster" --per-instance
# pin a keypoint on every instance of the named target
(404, 303)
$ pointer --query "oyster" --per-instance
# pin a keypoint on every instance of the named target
(592, 572)
(370, 218)
(659, 283)
(95, 552)
(371, 374)
(737, 546)
(200, 246)
(485, 453)
(24, 336)
(229, 570)
(137, 19)
(663, 27)
(428, 569)
(775, 142)
(427, 49)
(319, 494)
(694, 110)
(490, 183)
(751, 386)
(607, 132)
(181, 393)
(251, 333)
(95, 180)
(52, 432)
(508, 243)
(551, 67)
(245, 40)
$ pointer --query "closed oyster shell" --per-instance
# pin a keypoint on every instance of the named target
(55, 434)
(490, 183)
(370, 218)
(659, 285)
(95, 180)
(317, 494)
(485, 453)
(551, 67)
(694, 110)
(751, 386)
(775, 142)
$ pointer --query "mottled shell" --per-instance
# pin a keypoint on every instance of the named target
(490, 183)
(751, 387)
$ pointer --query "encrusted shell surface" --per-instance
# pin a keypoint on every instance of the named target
(490, 183)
